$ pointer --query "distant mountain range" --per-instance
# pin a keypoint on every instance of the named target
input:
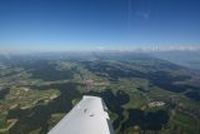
(188, 56)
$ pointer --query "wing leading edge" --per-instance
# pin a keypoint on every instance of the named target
(89, 116)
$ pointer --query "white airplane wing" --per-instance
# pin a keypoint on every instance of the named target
(89, 116)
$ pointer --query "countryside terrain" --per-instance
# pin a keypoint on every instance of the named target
(144, 94)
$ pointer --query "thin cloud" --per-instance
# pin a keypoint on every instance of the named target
(142, 14)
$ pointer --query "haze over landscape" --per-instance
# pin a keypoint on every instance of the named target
(142, 57)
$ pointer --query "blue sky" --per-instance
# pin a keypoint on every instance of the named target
(96, 24)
